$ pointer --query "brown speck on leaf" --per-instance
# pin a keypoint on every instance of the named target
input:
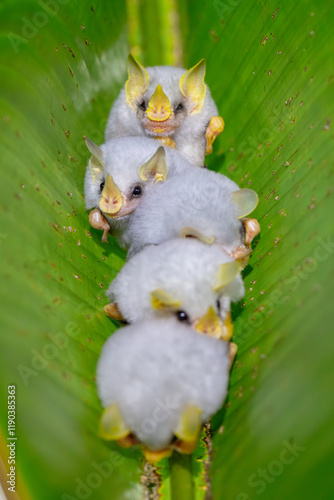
(228, 405)
(312, 204)
(71, 51)
(99, 297)
(79, 243)
(311, 33)
(64, 107)
(101, 285)
(274, 14)
(60, 245)
(269, 72)
(86, 41)
(327, 125)
(71, 72)
(82, 27)
(83, 256)
(279, 149)
(214, 36)
(276, 241)
(264, 40)
(103, 258)
(64, 45)
(231, 168)
(37, 187)
(69, 194)
(77, 277)
(279, 52)
(88, 233)
(268, 143)
(67, 133)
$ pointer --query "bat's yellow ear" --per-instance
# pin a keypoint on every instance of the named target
(137, 82)
(192, 85)
(190, 232)
(162, 300)
(246, 201)
(226, 274)
(155, 168)
(95, 162)
(112, 425)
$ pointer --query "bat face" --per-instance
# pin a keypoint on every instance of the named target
(120, 172)
(163, 97)
(185, 279)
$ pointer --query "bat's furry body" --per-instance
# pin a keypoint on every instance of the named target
(186, 270)
(157, 367)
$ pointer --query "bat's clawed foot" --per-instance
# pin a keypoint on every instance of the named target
(97, 221)
(252, 229)
(112, 311)
(215, 127)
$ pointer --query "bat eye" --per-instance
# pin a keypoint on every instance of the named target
(179, 107)
(137, 191)
(182, 316)
(101, 186)
(143, 106)
(218, 305)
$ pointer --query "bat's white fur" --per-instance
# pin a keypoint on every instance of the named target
(199, 199)
(153, 369)
(189, 137)
(122, 158)
(186, 269)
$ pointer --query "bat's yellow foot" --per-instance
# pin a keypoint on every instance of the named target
(97, 221)
(232, 352)
(112, 427)
(252, 228)
(113, 312)
(215, 127)
(166, 141)
(154, 456)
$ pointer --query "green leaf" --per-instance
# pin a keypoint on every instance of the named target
(270, 68)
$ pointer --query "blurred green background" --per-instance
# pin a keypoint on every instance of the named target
(270, 67)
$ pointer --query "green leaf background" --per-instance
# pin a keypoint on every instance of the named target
(270, 67)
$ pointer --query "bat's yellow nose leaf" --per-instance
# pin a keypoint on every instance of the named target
(159, 109)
